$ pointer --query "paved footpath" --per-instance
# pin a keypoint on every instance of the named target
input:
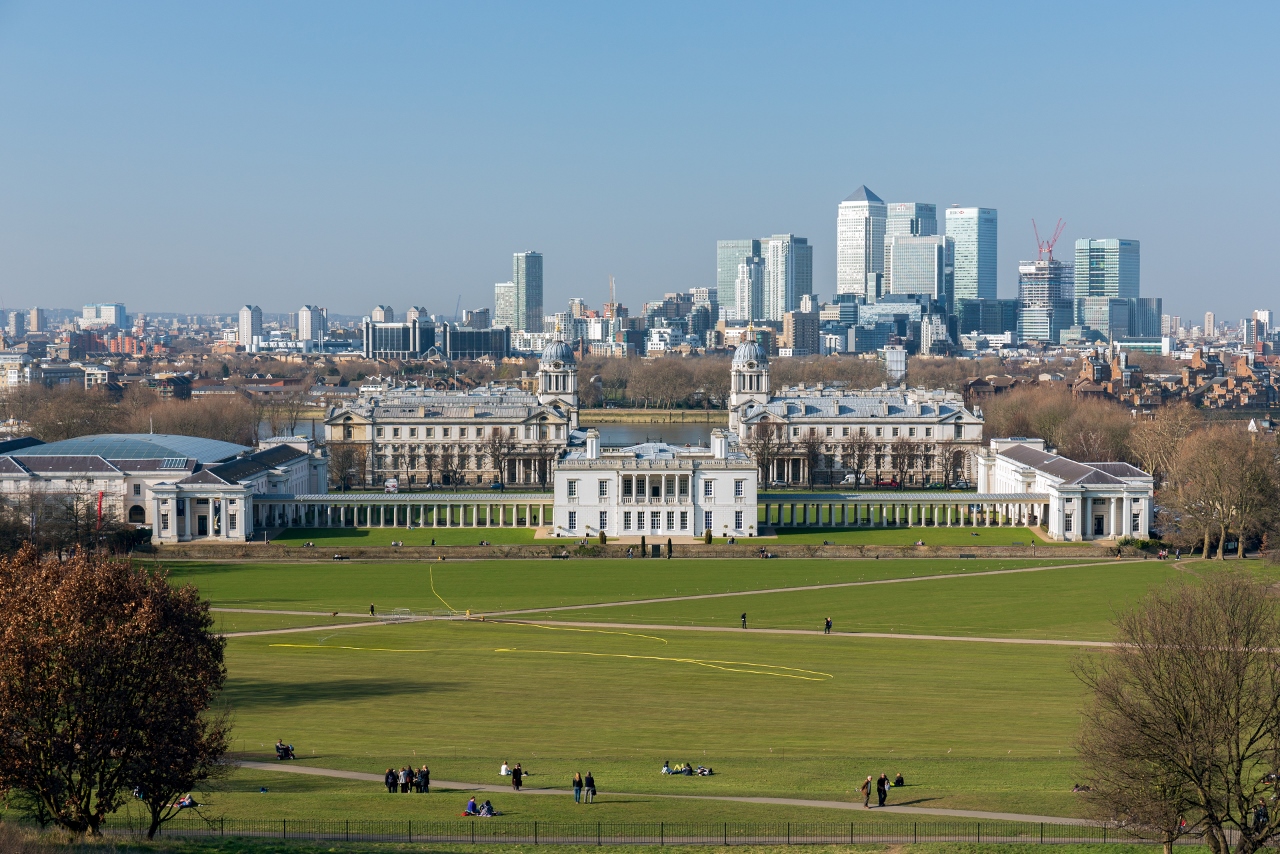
(289, 767)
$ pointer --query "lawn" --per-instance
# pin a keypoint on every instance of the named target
(336, 538)
(491, 585)
(230, 621)
(1073, 603)
(976, 537)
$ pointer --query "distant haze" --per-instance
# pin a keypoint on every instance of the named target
(196, 156)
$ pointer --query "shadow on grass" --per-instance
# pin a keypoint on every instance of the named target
(249, 693)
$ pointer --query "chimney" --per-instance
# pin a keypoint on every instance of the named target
(719, 444)
(593, 444)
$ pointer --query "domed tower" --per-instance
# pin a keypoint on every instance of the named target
(558, 378)
(749, 379)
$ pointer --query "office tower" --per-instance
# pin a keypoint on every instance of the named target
(788, 274)
(1108, 315)
(383, 314)
(526, 272)
(1210, 325)
(934, 339)
(103, 314)
(312, 324)
(986, 316)
(476, 318)
(922, 265)
(809, 303)
(1107, 267)
(1046, 288)
(1144, 317)
(748, 300)
(801, 332)
(906, 219)
(17, 324)
(36, 321)
(504, 304)
(729, 255)
(249, 329)
(860, 230)
(705, 297)
(974, 231)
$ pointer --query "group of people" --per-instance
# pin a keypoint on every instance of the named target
(485, 810)
(407, 779)
(881, 787)
(1163, 554)
(517, 774)
(485, 543)
(687, 770)
(584, 789)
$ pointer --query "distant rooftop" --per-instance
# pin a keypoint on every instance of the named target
(135, 446)
(862, 194)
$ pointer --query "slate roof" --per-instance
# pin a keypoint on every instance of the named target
(78, 464)
(10, 445)
(827, 407)
(862, 194)
(1070, 472)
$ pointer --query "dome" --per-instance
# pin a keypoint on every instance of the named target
(751, 354)
(557, 351)
(137, 446)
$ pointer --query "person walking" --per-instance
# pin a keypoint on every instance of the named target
(424, 780)
(866, 793)
(826, 629)
(744, 619)
(406, 777)
(517, 777)
(389, 780)
(590, 785)
(372, 612)
(882, 789)
(577, 787)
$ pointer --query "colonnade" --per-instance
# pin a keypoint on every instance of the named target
(407, 511)
(905, 511)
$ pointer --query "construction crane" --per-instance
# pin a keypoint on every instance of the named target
(1046, 246)
(457, 308)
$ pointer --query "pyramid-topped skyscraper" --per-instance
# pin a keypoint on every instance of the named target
(860, 223)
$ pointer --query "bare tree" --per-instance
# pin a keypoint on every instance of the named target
(499, 449)
(902, 458)
(1183, 721)
(810, 447)
(764, 445)
(346, 460)
(1154, 444)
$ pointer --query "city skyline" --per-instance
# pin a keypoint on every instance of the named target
(174, 159)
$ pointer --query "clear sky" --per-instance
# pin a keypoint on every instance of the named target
(195, 156)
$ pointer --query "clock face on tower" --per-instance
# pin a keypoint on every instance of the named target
(559, 366)
(751, 366)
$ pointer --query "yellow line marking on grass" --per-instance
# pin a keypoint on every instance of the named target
(431, 575)
(568, 629)
(714, 664)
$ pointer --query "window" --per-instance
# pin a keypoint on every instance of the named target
(895, 432)
(164, 521)
(559, 431)
(959, 432)
(626, 487)
(831, 431)
(444, 432)
(671, 519)
(1066, 524)
(137, 489)
(737, 520)
(395, 432)
(795, 431)
(348, 432)
(573, 519)
(1137, 526)
(511, 431)
(739, 488)
(862, 431)
(528, 431)
(684, 520)
(928, 432)
(413, 432)
(844, 431)
(462, 432)
(231, 521)
(879, 432)
(684, 486)
(604, 489)
(706, 520)
(429, 432)
(604, 519)
(708, 488)
(626, 521)
(911, 431)
(655, 520)
(572, 487)
(378, 432)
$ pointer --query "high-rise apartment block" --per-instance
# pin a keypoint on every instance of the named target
(748, 300)
(383, 314)
(1210, 324)
(17, 326)
(312, 324)
(504, 304)
(1107, 267)
(526, 273)
(249, 328)
(801, 332)
(103, 314)
(729, 257)
(974, 231)
(1046, 288)
(788, 274)
(906, 219)
(36, 321)
(476, 318)
(922, 265)
(860, 233)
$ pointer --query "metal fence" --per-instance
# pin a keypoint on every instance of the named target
(499, 830)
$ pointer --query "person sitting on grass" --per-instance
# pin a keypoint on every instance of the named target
(471, 807)
(898, 782)
(666, 767)
(488, 811)
(186, 802)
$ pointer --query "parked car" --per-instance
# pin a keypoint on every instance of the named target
(497, 484)
(853, 479)
(961, 484)
(936, 485)
(779, 484)
(887, 483)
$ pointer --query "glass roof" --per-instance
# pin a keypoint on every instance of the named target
(136, 446)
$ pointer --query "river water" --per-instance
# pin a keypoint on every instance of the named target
(621, 435)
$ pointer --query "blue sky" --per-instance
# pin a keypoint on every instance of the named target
(195, 156)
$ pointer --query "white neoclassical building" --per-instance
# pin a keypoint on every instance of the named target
(655, 489)
(1079, 501)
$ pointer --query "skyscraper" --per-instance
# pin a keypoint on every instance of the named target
(921, 265)
(729, 255)
(788, 274)
(974, 231)
(906, 219)
(1046, 288)
(249, 329)
(860, 230)
(36, 321)
(749, 290)
(17, 324)
(383, 314)
(504, 304)
(526, 272)
(1107, 267)
(1210, 324)
(312, 324)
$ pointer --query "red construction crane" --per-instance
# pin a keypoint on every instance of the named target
(1046, 246)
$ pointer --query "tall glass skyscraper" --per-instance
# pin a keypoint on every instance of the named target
(730, 254)
(788, 274)
(860, 229)
(906, 219)
(1046, 287)
(749, 290)
(504, 304)
(526, 273)
(922, 265)
(974, 231)
(1107, 267)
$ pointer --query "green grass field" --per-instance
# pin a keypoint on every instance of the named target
(976, 537)
(336, 538)
(977, 726)
(225, 622)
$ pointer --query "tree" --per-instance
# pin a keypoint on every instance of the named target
(811, 451)
(855, 452)
(764, 444)
(902, 458)
(499, 449)
(346, 459)
(107, 676)
(1183, 721)
(1154, 444)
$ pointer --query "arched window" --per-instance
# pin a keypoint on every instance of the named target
(137, 514)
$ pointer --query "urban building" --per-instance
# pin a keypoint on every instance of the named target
(986, 316)
(1107, 267)
(860, 234)
(923, 265)
(801, 333)
(96, 315)
(466, 343)
(526, 273)
(406, 340)
(36, 321)
(383, 314)
(504, 304)
(313, 325)
(730, 254)
(1210, 325)
(17, 326)
(906, 219)
(1074, 501)
(974, 231)
(657, 490)
(1145, 317)
(749, 290)
(1046, 288)
(788, 274)
(249, 328)
(476, 318)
